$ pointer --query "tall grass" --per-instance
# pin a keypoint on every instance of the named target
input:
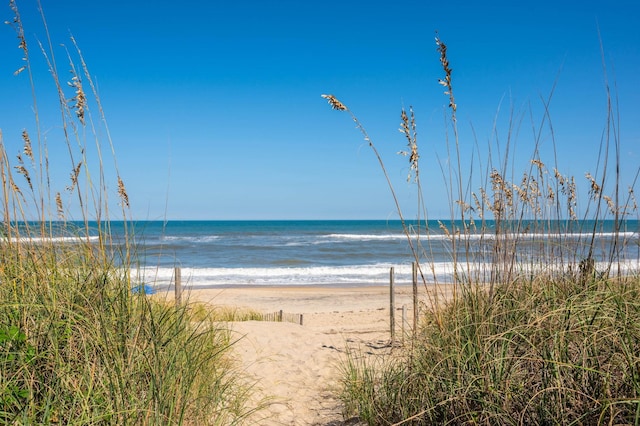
(542, 325)
(77, 346)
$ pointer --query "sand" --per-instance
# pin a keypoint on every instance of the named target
(295, 368)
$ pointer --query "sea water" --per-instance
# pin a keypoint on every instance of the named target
(356, 252)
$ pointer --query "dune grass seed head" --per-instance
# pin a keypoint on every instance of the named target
(28, 149)
(334, 102)
(79, 101)
(408, 129)
(446, 82)
(122, 192)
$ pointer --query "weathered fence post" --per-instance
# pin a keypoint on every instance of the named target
(301, 319)
(178, 286)
(280, 315)
(392, 318)
(414, 279)
(404, 320)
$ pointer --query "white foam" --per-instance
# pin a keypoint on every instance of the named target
(191, 239)
(50, 240)
(377, 274)
(363, 237)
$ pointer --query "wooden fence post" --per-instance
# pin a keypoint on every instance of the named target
(404, 320)
(392, 318)
(178, 286)
(414, 279)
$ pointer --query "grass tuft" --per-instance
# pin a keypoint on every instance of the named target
(545, 352)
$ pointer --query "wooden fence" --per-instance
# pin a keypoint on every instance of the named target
(280, 316)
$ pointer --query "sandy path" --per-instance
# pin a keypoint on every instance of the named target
(296, 367)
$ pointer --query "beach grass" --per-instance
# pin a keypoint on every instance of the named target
(200, 311)
(543, 352)
(77, 345)
(540, 328)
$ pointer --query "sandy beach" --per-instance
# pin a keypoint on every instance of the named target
(296, 367)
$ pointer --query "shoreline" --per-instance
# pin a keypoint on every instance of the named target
(169, 288)
(307, 299)
(303, 298)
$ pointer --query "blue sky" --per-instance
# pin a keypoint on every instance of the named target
(215, 112)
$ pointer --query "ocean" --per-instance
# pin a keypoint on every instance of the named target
(350, 252)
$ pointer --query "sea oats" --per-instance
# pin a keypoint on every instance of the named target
(497, 184)
(59, 206)
(479, 208)
(483, 196)
(533, 189)
(19, 70)
(79, 101)
(408, 129)
(571, 199)
(24, 172)
(16, 23)
(539, 164)
(404, 125)
(522, 189)
(74, 177)
(464, 205)
(123, 192)
(335, 103)
(563, 182)
(15, 188)
(558, 177)
(472, 224)
(442, 49)
(551, 195)
(502, 188)
(632, 197)
(502, 195)
(444, 228)
(610, 204)
(595, 188)
(498, 208)
(28, 150)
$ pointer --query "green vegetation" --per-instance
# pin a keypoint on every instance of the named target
(533, 328)
(77, 346)
(543, 352)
